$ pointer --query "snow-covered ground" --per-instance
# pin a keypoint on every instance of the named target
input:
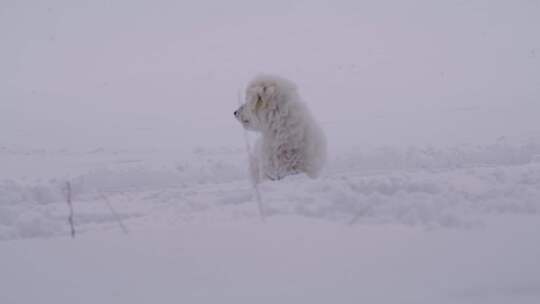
(431, 193)
(285, 260)
(452, 187)
(453, 225)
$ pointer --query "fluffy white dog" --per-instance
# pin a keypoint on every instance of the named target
(291, 141)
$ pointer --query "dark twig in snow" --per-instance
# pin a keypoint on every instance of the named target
(70, 204)
(115, 214)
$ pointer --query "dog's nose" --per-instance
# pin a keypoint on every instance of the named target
(235, 113)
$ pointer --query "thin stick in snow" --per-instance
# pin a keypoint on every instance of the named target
(254, 183)
(115, 214)
(70, 204)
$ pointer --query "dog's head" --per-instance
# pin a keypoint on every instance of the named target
(264, 95)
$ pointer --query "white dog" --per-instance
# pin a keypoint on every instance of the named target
(291, 142)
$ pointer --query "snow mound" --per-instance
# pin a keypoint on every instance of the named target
(444, 187)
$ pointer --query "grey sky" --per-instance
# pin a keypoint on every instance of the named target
(143, 73)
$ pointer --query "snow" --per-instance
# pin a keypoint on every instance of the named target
(289, 260)
(431, 193)
(452, 187)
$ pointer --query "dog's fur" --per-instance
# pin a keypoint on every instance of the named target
(291, 141)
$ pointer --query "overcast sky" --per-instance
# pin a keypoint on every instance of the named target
(154, 73)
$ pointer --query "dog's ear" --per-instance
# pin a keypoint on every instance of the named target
(260, 103)
(266, 97)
